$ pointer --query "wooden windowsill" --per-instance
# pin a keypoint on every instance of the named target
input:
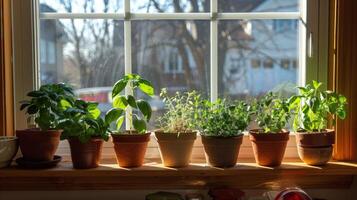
(246, 175)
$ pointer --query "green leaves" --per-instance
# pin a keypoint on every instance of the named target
(145, 109)
(119, 86)
(146, 87)
(139, 124)
(113, 114)
(272, 113)
(314, 107)
(120, 101)
(181, 111)
(133, 81)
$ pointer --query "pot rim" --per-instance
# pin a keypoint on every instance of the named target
(256, 132)
(315, 133)
(222, 137)
(38, 131)
(92, 138)
(163, 132)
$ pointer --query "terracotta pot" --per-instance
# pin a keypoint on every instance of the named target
(86, 155)
(175, 149)
(130, 149)
(315, 148)
(37, 145)
(268, 148)
(221, 151)
(316, 139)
(315, 156)
(8, 149)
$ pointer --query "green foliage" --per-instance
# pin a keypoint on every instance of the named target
(313, 107)
(272, 113)
(82, 120)
(181, 111)
(122, 103)
(47, 104)
(223, 119)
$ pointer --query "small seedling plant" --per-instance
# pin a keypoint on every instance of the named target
(223, 119)
(82, 120)
(139, 109)
(47, 104)
(314, 107)
(180, 112)
(272, 113)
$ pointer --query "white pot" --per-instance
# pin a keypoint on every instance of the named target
(8, 149)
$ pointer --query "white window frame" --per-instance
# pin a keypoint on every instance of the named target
(313, 29)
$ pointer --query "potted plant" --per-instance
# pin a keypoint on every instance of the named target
(45, 106)
(130, 145)
(176, 134)
(85, 131)
(221, 125)
(269, 141)
(313, 108)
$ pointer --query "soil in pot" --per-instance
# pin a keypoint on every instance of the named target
(8, 149)
(221, 151)
(268, 148)
(130, 148)
(315, 148)
(175, 148)
(38, 145)
(86, 155)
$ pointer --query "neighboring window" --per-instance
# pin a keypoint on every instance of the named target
(268, 63)
(285, 63)
(255, 63)
(172, 49)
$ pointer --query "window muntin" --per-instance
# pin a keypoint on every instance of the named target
(258, 5)
(198, 43)
(81, 6)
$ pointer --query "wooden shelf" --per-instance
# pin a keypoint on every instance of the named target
(196, 176)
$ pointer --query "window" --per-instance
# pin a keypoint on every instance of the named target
(174, 44)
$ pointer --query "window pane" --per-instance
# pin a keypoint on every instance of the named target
(172, 55)
(254, 58)
(81, 6)
(258, 5)
(169, 6)
(88, 54)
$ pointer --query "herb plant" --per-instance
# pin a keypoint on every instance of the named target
(313, 107)
(272, 113)
(47, 104)
(139, 110)
(180, 112)
(223, 119)
(83, 121)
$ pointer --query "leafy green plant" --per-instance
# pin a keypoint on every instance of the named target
(272, 113)
(82, 120)
(313, 107)
(180, 112)
(223, 119)
(47, 104)
(139, 110)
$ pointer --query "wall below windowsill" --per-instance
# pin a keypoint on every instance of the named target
(245, 175)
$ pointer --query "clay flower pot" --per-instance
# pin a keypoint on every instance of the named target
(175, 149)
(221, 151)
(8, 149)
(130, 149)
(86, 155)
(268, 148)
(315, 148)
(37, 145)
